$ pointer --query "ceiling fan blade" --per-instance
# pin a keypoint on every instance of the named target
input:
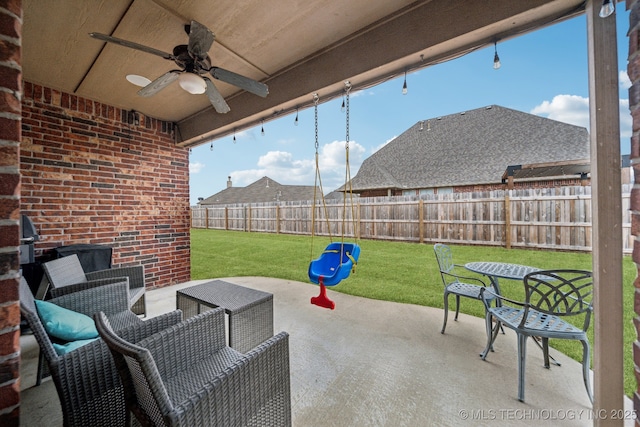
(158, 84)
(216, 98)
(242, 82)
(200, 40)
(131, 45)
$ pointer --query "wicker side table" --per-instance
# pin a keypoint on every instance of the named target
(250, 311)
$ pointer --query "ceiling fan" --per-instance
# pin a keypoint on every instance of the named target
(195, 64)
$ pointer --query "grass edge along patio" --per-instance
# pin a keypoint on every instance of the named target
(392, 271)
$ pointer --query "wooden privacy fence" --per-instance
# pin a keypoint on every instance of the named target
(551, 218)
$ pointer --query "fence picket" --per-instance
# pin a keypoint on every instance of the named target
(554, 218)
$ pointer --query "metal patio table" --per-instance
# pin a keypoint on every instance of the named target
(500, 270)
(250, 311)
(504, 270)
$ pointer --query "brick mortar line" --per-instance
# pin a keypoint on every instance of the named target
(10, 13)
(12, 116)
(11, 64)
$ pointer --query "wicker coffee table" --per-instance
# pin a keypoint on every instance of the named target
(250, 311)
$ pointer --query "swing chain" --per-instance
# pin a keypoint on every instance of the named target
(347, 90)
(315, 102)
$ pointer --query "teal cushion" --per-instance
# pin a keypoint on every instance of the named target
(70, 346)
(65, 324)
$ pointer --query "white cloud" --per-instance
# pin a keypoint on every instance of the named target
(277, 165)
(626, 121)
(249, 134)
(361, 92)
(286, 141)
(623, 80)
(375, 149)
(275, 159)
(572, 109)
(195, 167)
(246, 177)
(332, 161)
(285, 169)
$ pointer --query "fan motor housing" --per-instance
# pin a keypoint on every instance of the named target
(185, 61)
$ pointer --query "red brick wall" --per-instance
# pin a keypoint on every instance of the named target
(484, 187)
(10, 87)
(90, 174)
(521, 185)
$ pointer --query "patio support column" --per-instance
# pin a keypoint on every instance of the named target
(607, 215)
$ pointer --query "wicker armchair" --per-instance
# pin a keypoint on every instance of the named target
(187, 376)
(86, 379)
(67, 273)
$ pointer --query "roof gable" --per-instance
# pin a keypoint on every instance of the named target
(469, 148)
(263, 190)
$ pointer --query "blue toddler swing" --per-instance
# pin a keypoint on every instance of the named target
(338, 259)
(335, 264)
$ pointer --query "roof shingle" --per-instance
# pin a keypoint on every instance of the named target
(469, 148)
(261, 191)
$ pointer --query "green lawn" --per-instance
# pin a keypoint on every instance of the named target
(392, 271)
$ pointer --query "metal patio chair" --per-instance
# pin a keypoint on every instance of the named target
(187, 376)
(67, 273)
(551, 296)
(454, 282)
(86, 379)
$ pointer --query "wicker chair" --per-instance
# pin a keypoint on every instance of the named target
(551, 296)
(86, 379)
(187, 376)
(67, 272)
(454, 282)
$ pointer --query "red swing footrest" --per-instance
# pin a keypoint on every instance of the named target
(323, 300)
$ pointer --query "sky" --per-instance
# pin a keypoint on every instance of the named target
(542, 73)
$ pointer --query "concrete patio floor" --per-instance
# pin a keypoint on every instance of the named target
(377, 363)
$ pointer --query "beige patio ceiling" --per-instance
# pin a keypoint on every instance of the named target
(297, 47)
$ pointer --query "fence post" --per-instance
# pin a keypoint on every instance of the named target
(421, 220)
(359, 231)
(310, 219)
(535, 216)
(374, 230)
(249, 218)
(507, 219)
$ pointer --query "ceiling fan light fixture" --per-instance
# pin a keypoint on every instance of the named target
(138, 80)
(192, 83)
(193, 62)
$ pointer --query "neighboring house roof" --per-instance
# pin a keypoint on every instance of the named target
(625, 161)
(469, 148)
(263, 190)
(549, 170)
